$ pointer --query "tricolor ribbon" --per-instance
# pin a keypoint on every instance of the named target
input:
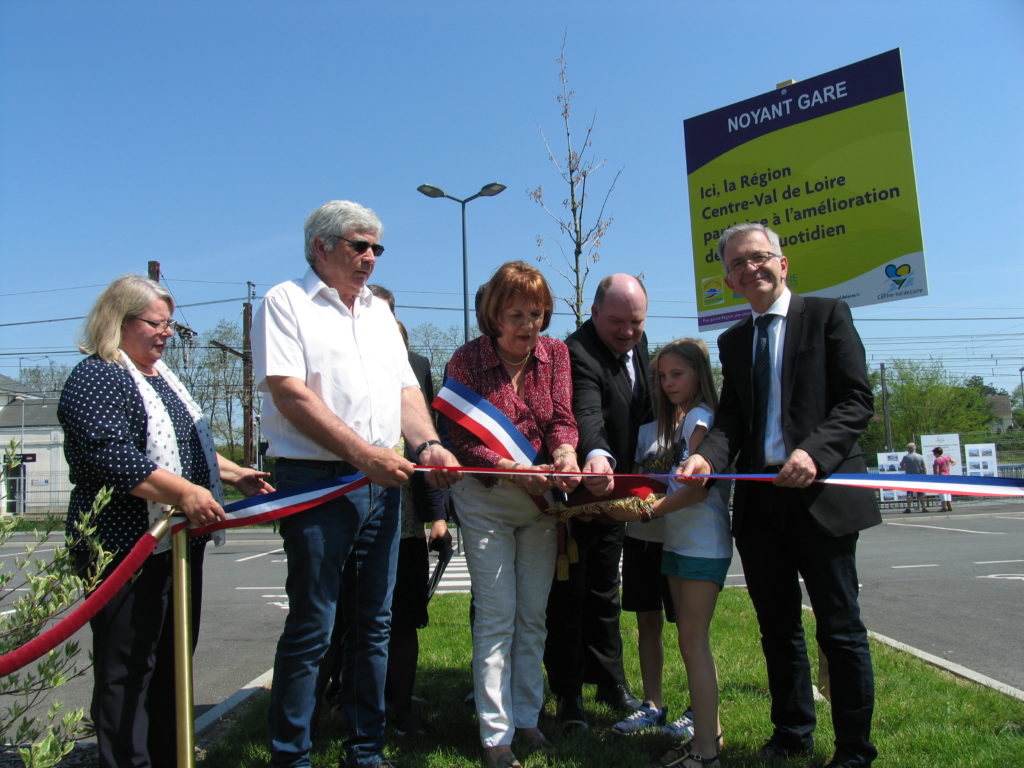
(959, 485)
(271, 506)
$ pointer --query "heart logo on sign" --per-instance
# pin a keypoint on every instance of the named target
(898, 274)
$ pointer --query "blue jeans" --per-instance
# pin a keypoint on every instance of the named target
(362, 525)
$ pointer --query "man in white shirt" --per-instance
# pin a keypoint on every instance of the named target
(341, 394)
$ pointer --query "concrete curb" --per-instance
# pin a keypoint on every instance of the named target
(949, 666)
(236, 699)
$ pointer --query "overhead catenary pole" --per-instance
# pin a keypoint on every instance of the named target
(885, 411)
(247, 384)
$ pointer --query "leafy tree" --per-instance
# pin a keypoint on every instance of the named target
(575, 171)
(926, 399)
(47, 590)
(982, 387)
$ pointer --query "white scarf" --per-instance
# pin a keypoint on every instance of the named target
(162, 444)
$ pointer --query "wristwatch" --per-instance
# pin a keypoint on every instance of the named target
(424, 445)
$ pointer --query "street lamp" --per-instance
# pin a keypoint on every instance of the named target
(20, 500)
(488, 190)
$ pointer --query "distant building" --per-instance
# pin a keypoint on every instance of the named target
(39, 485)
(1002, 412)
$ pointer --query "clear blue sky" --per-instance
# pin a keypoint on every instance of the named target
(201, 134)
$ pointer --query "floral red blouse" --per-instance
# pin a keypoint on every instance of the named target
(543, 414)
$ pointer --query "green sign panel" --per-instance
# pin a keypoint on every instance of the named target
(827, 164)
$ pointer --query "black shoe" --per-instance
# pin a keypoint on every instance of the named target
(773, 750)
(571, 715)
(619, 698)
(408, 724)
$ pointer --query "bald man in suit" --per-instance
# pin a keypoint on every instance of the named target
(611, 399)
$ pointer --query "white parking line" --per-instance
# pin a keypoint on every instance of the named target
(261, 554)
(996, 562)
(957, 530)
(923, 565)
(22, 553)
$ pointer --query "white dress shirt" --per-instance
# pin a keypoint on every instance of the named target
(354, 361)
(774, 445)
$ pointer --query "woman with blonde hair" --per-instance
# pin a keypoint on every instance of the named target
(130, 425)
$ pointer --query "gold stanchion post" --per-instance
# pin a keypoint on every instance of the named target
(183, 649)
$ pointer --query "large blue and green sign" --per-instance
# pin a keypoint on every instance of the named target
(827, 164)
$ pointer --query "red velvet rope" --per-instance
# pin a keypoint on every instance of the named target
(57, 634)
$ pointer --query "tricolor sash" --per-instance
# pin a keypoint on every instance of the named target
(473, 412)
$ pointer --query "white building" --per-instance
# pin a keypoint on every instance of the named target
(39, 485)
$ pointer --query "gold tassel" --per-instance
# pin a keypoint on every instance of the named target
(562, 568)
(562, 563)
(572, 550)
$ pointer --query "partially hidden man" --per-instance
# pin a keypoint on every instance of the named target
(611, 399)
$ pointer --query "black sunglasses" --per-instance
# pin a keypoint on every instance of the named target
(360, 246)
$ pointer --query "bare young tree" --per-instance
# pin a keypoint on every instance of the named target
(437, 345)
(48, 380)
(575, 171)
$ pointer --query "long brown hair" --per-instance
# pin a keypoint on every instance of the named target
(693, 352)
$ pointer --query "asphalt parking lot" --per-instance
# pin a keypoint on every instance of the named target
(948, 584)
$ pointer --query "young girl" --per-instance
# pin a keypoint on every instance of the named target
(645, 591)
(698, 546)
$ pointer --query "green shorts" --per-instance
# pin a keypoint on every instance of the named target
(695, 568)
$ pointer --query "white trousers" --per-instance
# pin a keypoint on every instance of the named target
(510, 549)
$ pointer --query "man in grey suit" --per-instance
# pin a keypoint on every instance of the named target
(795, 399)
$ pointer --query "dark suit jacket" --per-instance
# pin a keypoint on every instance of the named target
(602, 402)
(428, 502)
(826, 405)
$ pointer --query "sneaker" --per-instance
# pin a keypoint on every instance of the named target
(645, 716)
(681, 729)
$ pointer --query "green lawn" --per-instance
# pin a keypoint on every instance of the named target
(924, 717)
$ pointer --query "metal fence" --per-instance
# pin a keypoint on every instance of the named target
(36, 495)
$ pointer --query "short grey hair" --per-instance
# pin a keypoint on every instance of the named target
(911, 447)
(338, 218)
(739, 229)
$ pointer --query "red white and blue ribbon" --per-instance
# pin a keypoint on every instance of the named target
(474, 413)
(271, 506)
(954, 484)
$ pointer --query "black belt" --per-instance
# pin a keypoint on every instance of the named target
(336, 467)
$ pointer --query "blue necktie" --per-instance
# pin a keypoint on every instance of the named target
(762, 374)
